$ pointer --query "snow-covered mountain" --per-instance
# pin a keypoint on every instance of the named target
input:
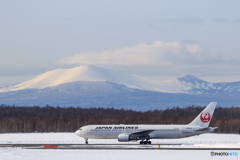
(194, 85)
(187, 84)
(90, 86)
(84, 73)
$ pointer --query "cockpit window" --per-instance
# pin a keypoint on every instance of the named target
(80, 129)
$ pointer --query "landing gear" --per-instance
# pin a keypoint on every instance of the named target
(145, 142)
(86, 141)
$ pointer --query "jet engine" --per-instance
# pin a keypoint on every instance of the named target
(124, 137)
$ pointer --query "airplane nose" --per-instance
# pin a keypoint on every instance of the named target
(77, 133)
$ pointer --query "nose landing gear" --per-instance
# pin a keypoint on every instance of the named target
(86, 141)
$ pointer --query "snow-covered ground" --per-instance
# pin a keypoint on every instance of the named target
(205, 140)
(19, 154)
(211, 139)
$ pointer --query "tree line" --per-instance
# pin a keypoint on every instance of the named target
(69, 119)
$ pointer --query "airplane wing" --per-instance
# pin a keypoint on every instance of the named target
(141, 134)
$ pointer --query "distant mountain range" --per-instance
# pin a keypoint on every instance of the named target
(90, 86)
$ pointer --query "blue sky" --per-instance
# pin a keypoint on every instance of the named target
(200, 38)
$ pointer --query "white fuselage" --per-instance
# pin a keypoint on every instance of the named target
(158, 131)
(146, 132)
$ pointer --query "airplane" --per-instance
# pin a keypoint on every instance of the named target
(125, 133)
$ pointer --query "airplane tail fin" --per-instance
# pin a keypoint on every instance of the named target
(204, 118)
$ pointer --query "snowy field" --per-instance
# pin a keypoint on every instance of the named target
(202, 141)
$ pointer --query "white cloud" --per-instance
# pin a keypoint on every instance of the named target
(192, 48)
(141, 54)
(162, 59)
(158, 53)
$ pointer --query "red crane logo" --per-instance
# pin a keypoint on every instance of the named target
(205, 117)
